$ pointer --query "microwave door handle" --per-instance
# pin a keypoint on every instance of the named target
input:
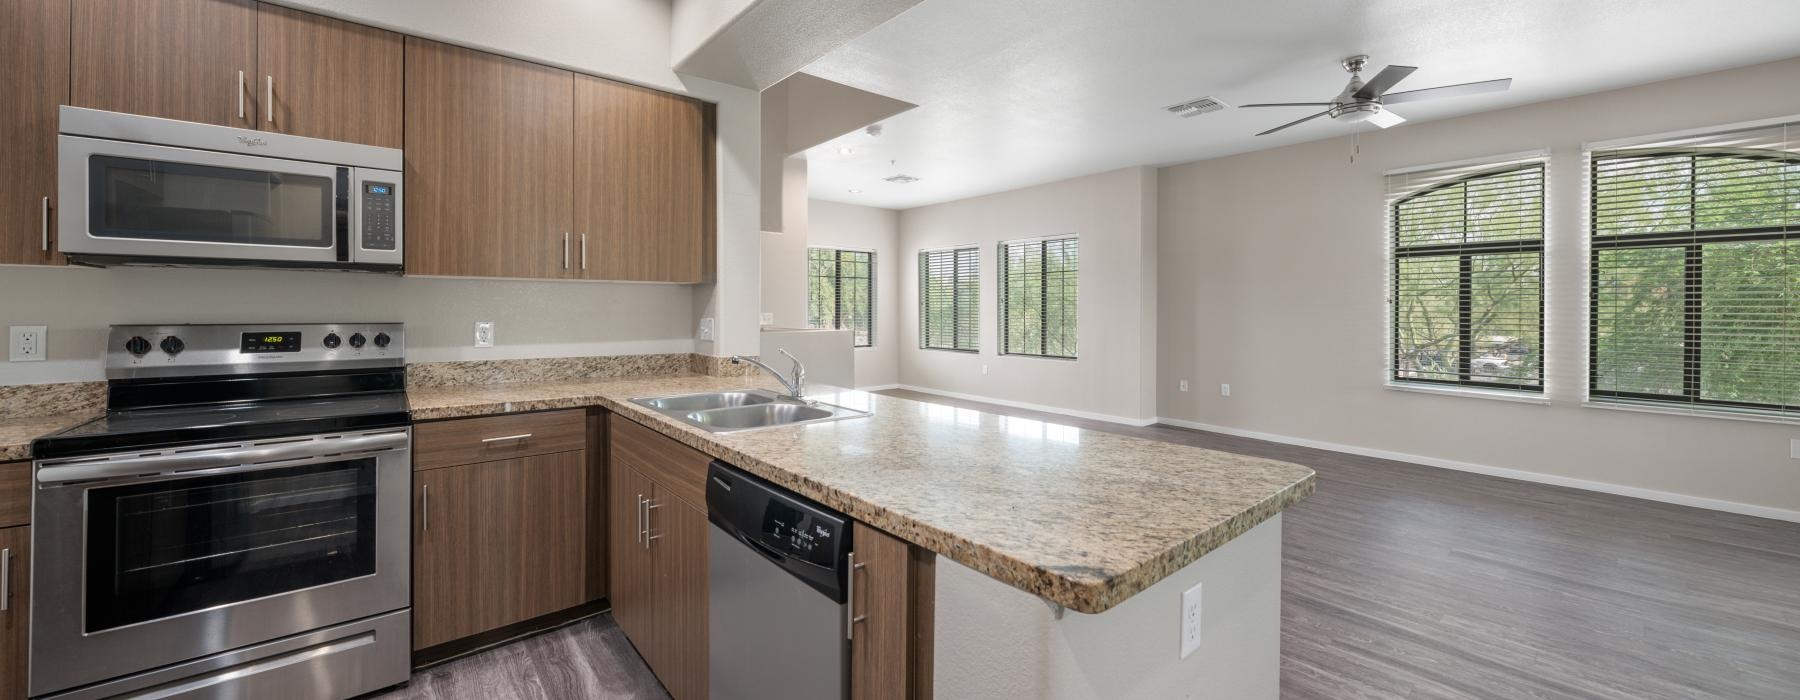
(345, 177)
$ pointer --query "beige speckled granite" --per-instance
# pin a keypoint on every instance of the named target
(34, 400)
(549, 369)
(16, 433)
(1082, 518)
(715, 366)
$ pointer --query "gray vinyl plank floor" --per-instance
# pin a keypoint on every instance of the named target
(1406, 581)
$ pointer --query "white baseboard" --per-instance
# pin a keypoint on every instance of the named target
(1139, 422)
(1503, 472)
(878, 387)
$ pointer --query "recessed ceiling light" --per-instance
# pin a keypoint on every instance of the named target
(855, 191)
(846, 151)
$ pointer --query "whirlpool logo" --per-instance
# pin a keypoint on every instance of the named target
(253, 141)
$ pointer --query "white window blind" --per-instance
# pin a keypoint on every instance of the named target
(949, 294)
(1466, 282)
(1038, 295)
(840, 291)
(1694, 292)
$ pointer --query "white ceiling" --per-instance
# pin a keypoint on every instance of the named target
(1014, 93)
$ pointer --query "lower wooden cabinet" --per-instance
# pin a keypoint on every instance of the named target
(890, 647)
(658, 566)
(496, 543)
(15, 604)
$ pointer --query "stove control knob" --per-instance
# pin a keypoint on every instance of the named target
(137, 345)
(173, 345)
(332, 341)
(382, 340)
(357, 340)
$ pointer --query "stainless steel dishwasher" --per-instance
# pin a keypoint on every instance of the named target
(777, 565)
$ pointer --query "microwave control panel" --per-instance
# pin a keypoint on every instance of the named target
(378, 215)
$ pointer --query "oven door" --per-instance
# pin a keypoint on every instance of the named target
(135, 200)
(144, 560)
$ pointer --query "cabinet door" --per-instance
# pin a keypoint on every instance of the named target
(328, 79)
(15, 564)
(193, 60)
(551, 552)
(680, 643)
(488, 164)
(628, 566)
(642, 182)
(880, 646)
(34, 73)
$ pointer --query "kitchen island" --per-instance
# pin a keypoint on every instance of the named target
(1065, 552)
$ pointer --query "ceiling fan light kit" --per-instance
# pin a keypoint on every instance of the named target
(1367, 102)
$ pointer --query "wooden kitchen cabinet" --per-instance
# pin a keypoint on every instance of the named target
(495, 543)
(327, 78)
(193, 60)
(643, 187)
(488, 165)
(890, 649)
(34, 77)
(15, 606)
(659, 551)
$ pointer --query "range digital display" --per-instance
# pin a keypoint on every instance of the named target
(271, 341)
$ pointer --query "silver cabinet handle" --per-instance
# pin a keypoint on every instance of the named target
(640, 517)
(427, 507)
(269, 100)
(44, 223)
(584, 251)
(851, 619)
(649, 505)
(240, 94)
(5, 579)
(565, 250)
(504, 438)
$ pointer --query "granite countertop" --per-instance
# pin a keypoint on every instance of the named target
(16, 433)
(1081, 518)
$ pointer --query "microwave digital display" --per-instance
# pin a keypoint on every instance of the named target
(278, 341)
(381, 189)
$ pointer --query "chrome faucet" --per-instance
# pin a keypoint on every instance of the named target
(796, 386)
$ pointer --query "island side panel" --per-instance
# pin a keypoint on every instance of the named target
(994, 641)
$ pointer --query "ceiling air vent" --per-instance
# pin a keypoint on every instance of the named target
(901, 179)
(1195, 108)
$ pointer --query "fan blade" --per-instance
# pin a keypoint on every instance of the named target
(1385, 119)
(1290, 104)
(1383, 81)
(1447, 91)
(1296, 121)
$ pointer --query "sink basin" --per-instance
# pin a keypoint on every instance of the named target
(702, 402)
(765, 415)
(731, 411)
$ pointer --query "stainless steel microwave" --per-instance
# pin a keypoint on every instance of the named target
(141, 190)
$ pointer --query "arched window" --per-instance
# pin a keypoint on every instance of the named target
(1695, 275)
(1466, 301)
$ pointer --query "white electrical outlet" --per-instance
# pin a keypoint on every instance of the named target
(984, 369)
(1190, 621)
(1794, 449)
(706, 329)
(27, 343)
(1224, 389)
(768, 319)
(1184, 385)
(484, 334)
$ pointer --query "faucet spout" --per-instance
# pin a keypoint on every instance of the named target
(796, 385)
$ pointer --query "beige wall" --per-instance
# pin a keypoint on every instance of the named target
(1114, 213)
(869, 228)
(1272, 276)
(784, 252)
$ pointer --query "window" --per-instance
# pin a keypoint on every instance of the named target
(840, 291)
(1695, 272)
(1037, 297)
(1467, 284)
(949, 289)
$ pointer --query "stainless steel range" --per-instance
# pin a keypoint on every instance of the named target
(236, 525)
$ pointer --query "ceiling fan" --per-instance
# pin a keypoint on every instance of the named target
(1360, 101)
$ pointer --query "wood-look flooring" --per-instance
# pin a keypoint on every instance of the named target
(1407, 581)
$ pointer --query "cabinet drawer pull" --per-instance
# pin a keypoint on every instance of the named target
(5, 579)
(269, 100)
(505, 438)
(427, 508)
(240, 94)
(44, 223)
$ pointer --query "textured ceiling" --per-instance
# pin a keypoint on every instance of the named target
(1015, 93)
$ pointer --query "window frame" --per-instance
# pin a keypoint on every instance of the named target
(839, 312)
(1464, 253)
(1002, 288)
(956, 321)
(1692, 242)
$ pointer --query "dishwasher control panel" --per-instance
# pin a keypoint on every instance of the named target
(809, 540)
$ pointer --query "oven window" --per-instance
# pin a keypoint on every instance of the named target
(170, 547)
(157, 200)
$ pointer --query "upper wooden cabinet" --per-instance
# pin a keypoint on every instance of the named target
(643, 194)
(34, 78)
(488, 165)
(329, 79)
(193, 60)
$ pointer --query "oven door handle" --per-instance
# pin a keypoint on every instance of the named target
(228, 460)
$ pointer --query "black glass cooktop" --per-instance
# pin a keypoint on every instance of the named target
(150, 428)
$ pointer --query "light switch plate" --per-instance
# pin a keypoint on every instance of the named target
(1190, 621)
(27, 343)
(1224, 389)
(706, 329)
(484, 334)
(1184, 385)
(1794, 449)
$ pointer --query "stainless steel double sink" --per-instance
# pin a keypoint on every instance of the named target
(751, 409)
